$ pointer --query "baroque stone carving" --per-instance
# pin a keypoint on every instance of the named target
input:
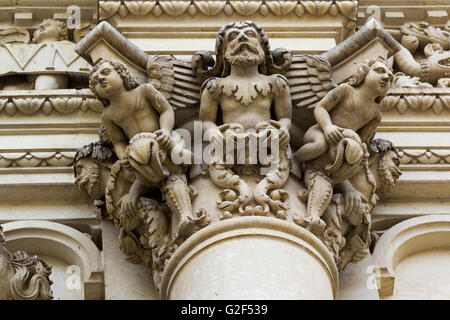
(348, 217)
(432, 62)
(244, 94)
(417, 100)
(244, 8)
(244, 103)
(142, 139)
(65, 101)
(44, 65)
(337, 145)
(23, 277)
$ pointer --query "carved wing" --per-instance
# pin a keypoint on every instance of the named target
(14, 35)
(175, 80)
(309, 81)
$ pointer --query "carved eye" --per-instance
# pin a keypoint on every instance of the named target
(250, 33)
(106, 72)
(380, 70)
(232, 35)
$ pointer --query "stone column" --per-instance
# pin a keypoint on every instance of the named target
(251, 258)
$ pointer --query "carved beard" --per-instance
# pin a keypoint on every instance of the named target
(388, 178)
(91, 182)
(245, 55)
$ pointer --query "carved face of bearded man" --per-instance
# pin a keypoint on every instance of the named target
(89, 178)
(387, 171)
(243, 46)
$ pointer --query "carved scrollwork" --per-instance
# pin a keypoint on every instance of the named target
(23, 277)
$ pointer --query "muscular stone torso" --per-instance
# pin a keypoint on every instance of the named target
(350, 115)
(249, 116)
(138, 117)
(246, 102)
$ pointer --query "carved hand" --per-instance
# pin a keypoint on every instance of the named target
(129, 205)
(215, 136)
(353, 202)
(284, 137)
(333, 134)
(164, 138)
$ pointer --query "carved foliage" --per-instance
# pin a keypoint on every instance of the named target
(417, 100)
(242, 7)
(27, 277)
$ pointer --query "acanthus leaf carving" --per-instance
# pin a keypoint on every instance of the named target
(348, 8)
(246, 8)
(210, 8)
(140, 8)
(281, 8)
(317, 8)
(108, 8)
(174, 8)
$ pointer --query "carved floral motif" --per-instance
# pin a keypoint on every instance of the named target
(244, 8)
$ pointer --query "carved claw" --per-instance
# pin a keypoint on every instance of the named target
(186, 227)
(314, 224)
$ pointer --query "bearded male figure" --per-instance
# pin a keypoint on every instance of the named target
(243, 89)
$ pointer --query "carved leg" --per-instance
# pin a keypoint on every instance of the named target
(333, 235)
(176, 192)
(237, 194)
(277, 199)
(320, 191)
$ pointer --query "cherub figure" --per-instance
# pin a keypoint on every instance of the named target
(49, 31)
(351, 111)
(139, 121)
(246, 93)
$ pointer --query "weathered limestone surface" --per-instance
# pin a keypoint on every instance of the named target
(48, 111)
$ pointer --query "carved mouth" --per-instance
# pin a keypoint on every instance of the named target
(383, 84)
(245, 46)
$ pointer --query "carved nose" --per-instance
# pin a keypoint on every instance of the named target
(242, 37)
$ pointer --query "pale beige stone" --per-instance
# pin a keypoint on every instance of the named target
(254, 257)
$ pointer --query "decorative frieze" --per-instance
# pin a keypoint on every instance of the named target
(61, 101)
(124, 8)
(36, 159)
(417, 100)
(424, 156)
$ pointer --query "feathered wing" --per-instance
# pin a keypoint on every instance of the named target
(309, 81)
(175, 80)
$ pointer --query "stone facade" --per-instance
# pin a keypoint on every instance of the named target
(347, 101)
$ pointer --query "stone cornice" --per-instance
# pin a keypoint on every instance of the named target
(62, 101)
(417, 100)
(36, 159)
(124, 8)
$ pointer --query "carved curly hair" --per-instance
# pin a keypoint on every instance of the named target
(362, 70)
(128, 81)
(62, 29)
